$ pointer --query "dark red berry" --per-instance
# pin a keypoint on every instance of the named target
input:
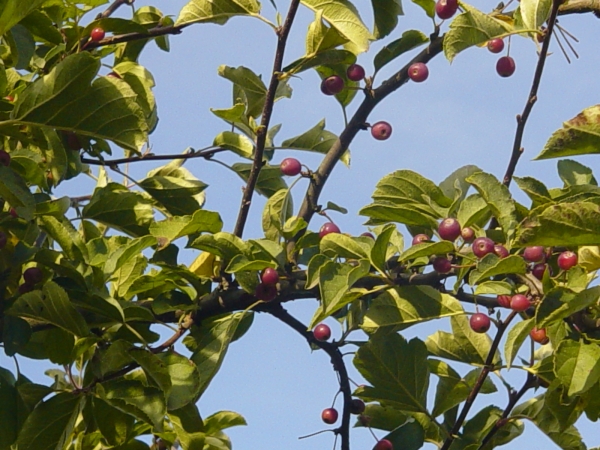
(73, 141)
(468, 234)
(290, 167)
(13, 213)
(501, 251)
(113, 75)
(3, 240)
(482, 246)
(383, 444)
(355, 72)
(442, 265)
(539, 335)
(534, 254)
(479, 322)
(322, 332)
(505, 66)
(357, 406)
(269, 276)
(566, 260)
(97, 34)
(381, 130)
(418, 72)
(495, 45)
(33, 275)
(329, 415)
(4, 158)
(26, 287)
(539, 269)
(504, 301)
(369, 235)
(449, 229)
(519, 302)
(265, 292)
(332, 85)
(446, 8)
(328, 228)
(420, 238)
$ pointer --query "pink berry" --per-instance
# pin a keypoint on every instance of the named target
(97, 34)
(420, 238)
(269, 276)
(504, 301)
(468, 234)
(539, 269)
(265, 292)
(328, 228)
(446, 8)
(534, 254)
(482, 246)
(505, 66)
(369, 235)
(418, 72)
(383, 444)
(290, 167)
(449, 229)
(519, 302)
(322, 332)
(33, 275)
(501, 251)
(566, 260)
(381, 130)
(332, 85)
(442, 265)
(479, 322)
(355, 72)
(539, 335)
(329, 415)
(4, 158)
(495, 45)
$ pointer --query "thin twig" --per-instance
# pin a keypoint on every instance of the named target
(206, 154)
(261, 134)
(113, 7)
(128, 37)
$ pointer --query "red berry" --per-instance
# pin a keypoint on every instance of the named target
(504, 301)
(26, 287)
(357, 406)
(566, 260)
(468, 234)
(383, 444)
(33, 275)
(519, 302)
(328, 228)
(449, 229)
(505, 66)
(446, 8)
(13, 213)
(3, 240)
(10, 98)
(97, 34)
(418, 72)
(4, 158)
(269, 276)
(322, 332)
(495, 45)
(420, 238)
(290, 167)
(355, 72)
(501, 251)
(73, 141)
(539, 269)
(534, 254)
(113, 75)
(329, 415)
(479, 322)
(332, 85)
(265, 292)
(442, 265)
(369, 235)
(539, 335)
(381, 130)
(482, 246)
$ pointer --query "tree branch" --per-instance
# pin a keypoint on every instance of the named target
(206, 154)
(261, 134)
(113, 7)
(128, 37)
(337, 360)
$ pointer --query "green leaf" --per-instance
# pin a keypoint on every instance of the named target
(470, 28)
(396, 369)
(379, 252)
(576, 364)
(410, 40)
(50, 424)
(385, 13)
(473, 210)
(499, 200)
(402, 306)
(184, 380)
(72, 98)
(222, 244)
(269, 180)
(52, 305)
(575, 174)
(427, 5)
(64, 234)
(462, 345)
(274, 216)
(578, 136)
(250, 85)
(564, 224)
(408, 436)
(189, 427)
(171, 229)
(382, 418)
(535, 190)
(494, 288)
(535, 12)
(179, 196)
(343, 16)
(13, 411)
(560, 302)
(14, 190)
(477, 427)
(346, 247)
(222, 420)
(516, 336)
(317, 139)
(427, 249)
(491, 265)
(219, 12)
(324, 58)
(139, 79)
(114, 424)
(235, 142)
(320, 37)
(116, 206)
(408, 213)
(13, 11)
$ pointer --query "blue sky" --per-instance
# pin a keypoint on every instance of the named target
(463, 114)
